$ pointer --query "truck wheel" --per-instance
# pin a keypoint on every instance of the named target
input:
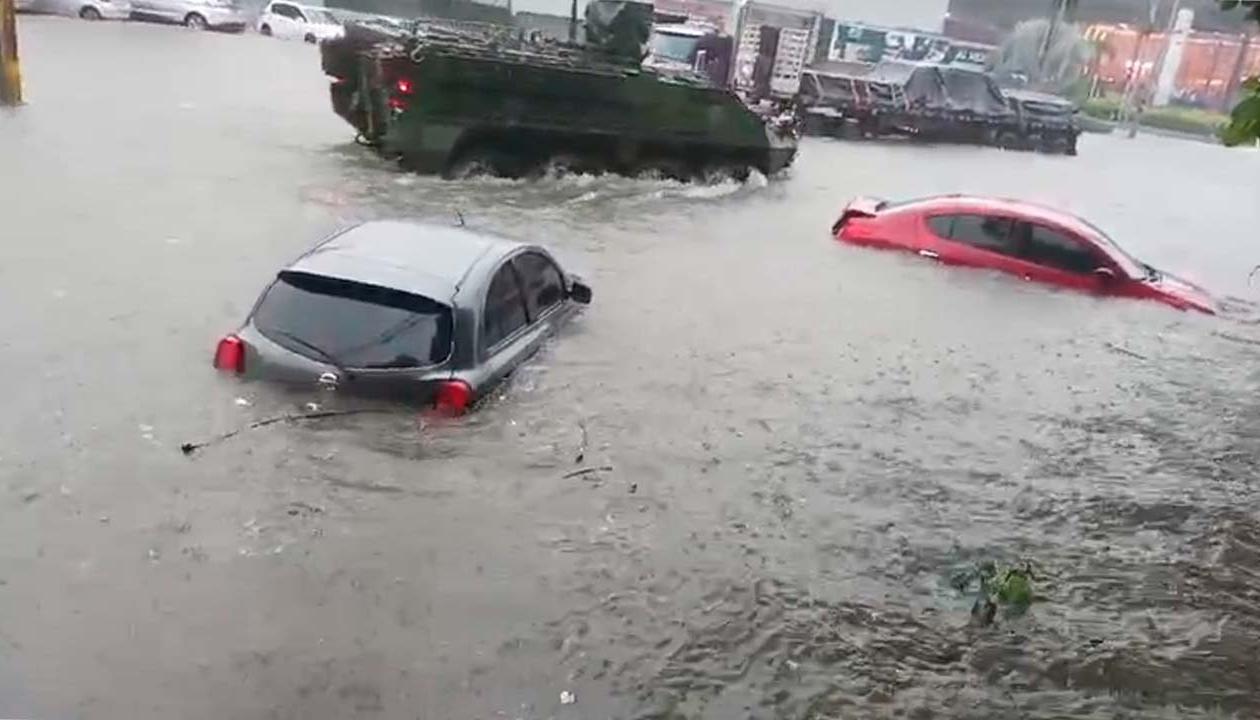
(1009, 140)
(1054, 144)
(195, 21)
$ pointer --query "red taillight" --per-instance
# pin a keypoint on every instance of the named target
(230, 354)
(397, 103)
(453, 397)
(404, 86)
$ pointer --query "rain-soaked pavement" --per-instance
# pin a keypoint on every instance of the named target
(807, 441)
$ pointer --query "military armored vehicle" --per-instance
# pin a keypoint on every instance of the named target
(457, 101)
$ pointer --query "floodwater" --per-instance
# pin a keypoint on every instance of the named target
(806, 441)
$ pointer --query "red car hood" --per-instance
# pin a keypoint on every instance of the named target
(1184, 291)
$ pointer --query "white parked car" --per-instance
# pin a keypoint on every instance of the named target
(290, 20)
(86, 9)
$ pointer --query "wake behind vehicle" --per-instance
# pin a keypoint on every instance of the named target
(423, 314)
(1023, 239)
(457, 102)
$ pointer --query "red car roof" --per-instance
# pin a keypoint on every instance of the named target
(1016, 208)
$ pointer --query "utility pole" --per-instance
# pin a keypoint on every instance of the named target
(10, 71)
(1055, 20)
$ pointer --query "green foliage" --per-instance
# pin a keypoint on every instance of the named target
(1103, 108)
(1180, 119)
(1009, 588)
(1244, 121)
(1020, 54)
(1253, 7)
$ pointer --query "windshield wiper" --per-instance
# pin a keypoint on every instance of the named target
(324, 354)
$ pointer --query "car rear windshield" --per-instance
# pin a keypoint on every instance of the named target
(354, 324)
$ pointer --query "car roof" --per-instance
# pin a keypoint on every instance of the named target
(419, 258)
(1004, 206)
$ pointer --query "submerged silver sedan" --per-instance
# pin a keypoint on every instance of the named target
(425, 314)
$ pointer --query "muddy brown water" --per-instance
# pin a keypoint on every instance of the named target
(807, 441)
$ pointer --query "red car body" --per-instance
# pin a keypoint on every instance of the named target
(1023, 239)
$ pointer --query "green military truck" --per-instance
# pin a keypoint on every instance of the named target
(457, 101)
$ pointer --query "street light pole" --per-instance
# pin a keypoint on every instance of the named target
(10, 70)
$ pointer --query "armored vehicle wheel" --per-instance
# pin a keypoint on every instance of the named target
(665, 169)
(725, 172)
(481, 161)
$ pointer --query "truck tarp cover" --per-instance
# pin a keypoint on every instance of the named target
(619, 28)
(1042, 106)
(973, 91)
(916, 84)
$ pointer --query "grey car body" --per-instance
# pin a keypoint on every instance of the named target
(197, 14)
(469, 277)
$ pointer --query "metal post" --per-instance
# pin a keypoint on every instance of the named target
(1131, 98)
(10, 70)
(573, 21)
(1055, 20)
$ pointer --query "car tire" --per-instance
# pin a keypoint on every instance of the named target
(194, 21)
(90, 13)
(310, 39)
(265, 30)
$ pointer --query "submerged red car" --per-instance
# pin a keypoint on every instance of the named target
(1024, 239)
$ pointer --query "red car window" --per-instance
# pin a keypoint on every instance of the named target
(1054, 249)
(941, 225)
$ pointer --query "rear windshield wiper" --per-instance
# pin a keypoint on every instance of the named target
(324, 354)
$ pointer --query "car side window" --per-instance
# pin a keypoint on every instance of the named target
(941, 225)
(284, 10)
(505, 307)
(985, 232)
(1052, 248)
(543, 284)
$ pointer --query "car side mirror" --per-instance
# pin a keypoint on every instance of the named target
(580, 292)
(1106, 277)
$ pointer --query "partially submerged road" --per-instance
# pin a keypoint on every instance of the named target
(806, 441)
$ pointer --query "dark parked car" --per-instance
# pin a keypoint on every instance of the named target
(426, 314)
(1024, 239)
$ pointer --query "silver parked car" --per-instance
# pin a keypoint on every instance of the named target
(86, 9)
(426, 314)
(197, 14)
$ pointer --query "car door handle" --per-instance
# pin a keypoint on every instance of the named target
(929, 255)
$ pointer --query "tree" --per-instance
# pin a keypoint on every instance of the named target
(1066, 54)
(1244, 121)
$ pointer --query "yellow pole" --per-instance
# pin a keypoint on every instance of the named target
(10, 70)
